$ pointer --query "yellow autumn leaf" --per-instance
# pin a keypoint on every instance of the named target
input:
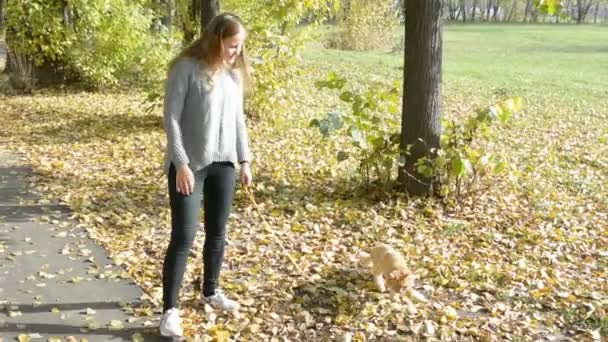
(137, 337)
(24, 338)
(14, 313)
(115, 325)
(359, 337)
(450, 313)
(219, 334)
(342, 319)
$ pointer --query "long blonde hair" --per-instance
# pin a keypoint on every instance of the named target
(208, 48)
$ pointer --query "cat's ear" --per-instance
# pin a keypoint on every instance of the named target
(395, 275)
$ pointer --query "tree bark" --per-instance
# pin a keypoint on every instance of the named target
(474, 10)
(209, 9)
(2, 9)
(597, 8)
(527, 11)
(67, 14)
(167, 19)
(512, 12)
(583, 7)
(195, 13)
(452, 8)
(421, 125)
(463, 9)
(488, 9)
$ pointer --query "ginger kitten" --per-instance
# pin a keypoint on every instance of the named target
(388, 267)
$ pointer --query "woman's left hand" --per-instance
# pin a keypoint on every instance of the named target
(245, 174)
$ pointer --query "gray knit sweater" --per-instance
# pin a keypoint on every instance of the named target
(203, 118)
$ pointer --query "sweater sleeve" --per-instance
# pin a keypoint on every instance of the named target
(176, 89)
(242, 139)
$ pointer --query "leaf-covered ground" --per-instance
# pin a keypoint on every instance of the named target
(527, 260)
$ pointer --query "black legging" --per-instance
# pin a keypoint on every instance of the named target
(216, 184)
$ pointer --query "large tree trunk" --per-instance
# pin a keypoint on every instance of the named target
(209, 9)
(496, 7)
(474, 10)
(597, 8)
(421, 125)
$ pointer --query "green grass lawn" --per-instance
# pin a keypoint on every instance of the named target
(564, 60)
(569, 61)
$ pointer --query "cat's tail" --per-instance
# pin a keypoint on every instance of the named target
(365, 259)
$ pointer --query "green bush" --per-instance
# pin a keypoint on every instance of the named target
(34, 37)
(103, 43)
(463, 159)
(372, 126)
(115, 45)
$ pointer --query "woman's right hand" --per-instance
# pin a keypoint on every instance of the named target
(185, 180)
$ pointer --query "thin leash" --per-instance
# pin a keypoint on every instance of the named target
(257, 208)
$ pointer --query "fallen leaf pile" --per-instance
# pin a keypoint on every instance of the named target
(527, 259)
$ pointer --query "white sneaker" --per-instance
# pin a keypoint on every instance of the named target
(171, 324)
(220, 301)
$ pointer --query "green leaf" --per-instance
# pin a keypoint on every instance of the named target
(551, 7)
(376, 142)
(504, 115)
(500, 167)
(424, 169)
(347, 96)
(357, 137)
(333, 81)
(494, 112)
(335, 120)
(342, 156)
(460, 166)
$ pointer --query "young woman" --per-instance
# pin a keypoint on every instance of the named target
(206, 138)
